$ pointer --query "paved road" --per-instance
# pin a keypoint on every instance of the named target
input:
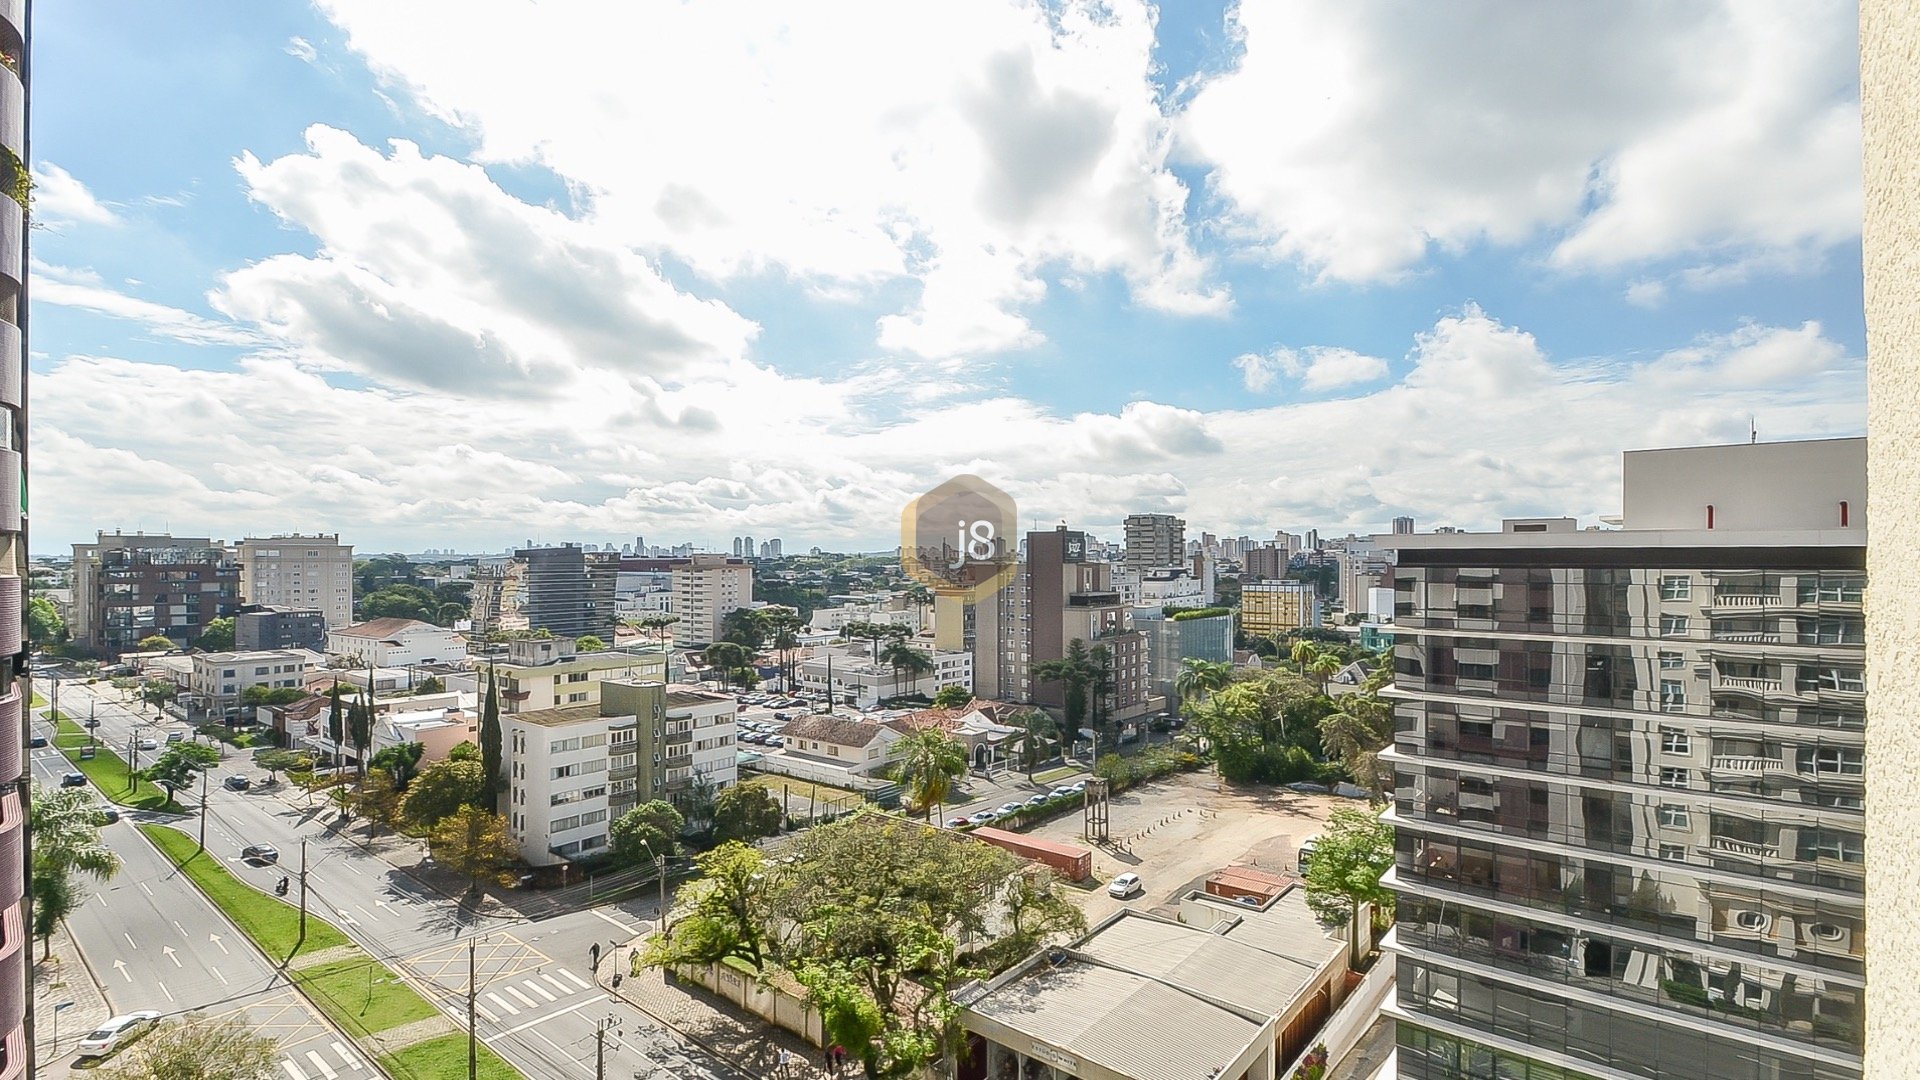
(530, 1004)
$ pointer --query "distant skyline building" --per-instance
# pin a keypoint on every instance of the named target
(1403, 526)
(568, 593)
(1155, 540)
(706, 589)
(294, 570)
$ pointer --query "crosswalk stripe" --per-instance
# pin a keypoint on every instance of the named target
(292, 1069)
(522, 998)
(541, 990)
(346, 1055)
(557, 984)
(320, 1063)
(503, 1003)
(485, 1013)
(582, 983)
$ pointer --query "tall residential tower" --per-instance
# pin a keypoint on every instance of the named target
(16, 990)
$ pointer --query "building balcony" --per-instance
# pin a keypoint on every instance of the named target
(1727, 845)
(679, 738)
(1746, 637)
(1746, 685)
(678, 761)
(1748, 601)
(627, 773)
(1741, 765)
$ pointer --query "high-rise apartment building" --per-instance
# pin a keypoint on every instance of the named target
(1628, 780)
(295, 571)
(1155, 540)
(16, 984)
(1403, 526)
(130, 587)
(1275, 607)
(706, 589)
(567, 592)
(1265, 563)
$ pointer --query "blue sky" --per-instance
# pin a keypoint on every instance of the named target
(461, 274)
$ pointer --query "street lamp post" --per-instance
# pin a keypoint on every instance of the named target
(58, 1008)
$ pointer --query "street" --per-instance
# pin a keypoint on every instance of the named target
(536, 1003)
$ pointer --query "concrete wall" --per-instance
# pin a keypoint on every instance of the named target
(1890, 109)
(770, 1003)
(1782, 485)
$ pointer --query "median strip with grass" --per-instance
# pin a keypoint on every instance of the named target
(109, 771)
(358, 992)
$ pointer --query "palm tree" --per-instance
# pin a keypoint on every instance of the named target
(784, 625)
(1036, 728)
(1305, 653)
(929, 761)
(1323, 669)
(1100, 683)
(905, 660)
(1199, 677)
(1357, 732)
(65, 826)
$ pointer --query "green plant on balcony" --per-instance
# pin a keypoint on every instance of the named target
(17, 178)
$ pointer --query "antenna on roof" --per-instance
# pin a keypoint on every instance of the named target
(1753, 429)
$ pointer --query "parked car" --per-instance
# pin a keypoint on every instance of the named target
(108, 815)
(237, 783)
(1124, 886)
(117, 1032)
(1307, 847)
(37, 742)
(1039, 800)
(1009, 809)
(176, 736)
(73, 779)
(982, 817)
(775, 740)
(955, 823)
(149, 744)
(260, 853)
(1078, 787)
(92, 721)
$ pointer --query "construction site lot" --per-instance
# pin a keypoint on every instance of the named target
(1176, 831)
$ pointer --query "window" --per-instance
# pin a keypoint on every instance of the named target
(1833, 590)
(1673, 625)
(561, 746)
(1673, 816)
(1840, 760)
(1825, 931)
(1751, 920)
(1847, 680)
(1675, 741)
(1671, 660)
(1674, 778)
(1831, 844)
(1673, 696)
(1673, 852)
(1475, 671)
(1676, 588)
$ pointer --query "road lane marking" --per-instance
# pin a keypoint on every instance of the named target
(215, 938)
(129, 938)
(169, 993)
(351, 867)
(583, 984)
(346, 1055)
(121, 967)
(521, 998)
(348, 919)
(182, 929)
(293, 1070)
(575, 1007)
(503, 1003)
(320, 1063)
(485, 1013)
(167, 951)
(615, 921)
(557, 984)
(541, 990)
(217, 975)
(149, 891)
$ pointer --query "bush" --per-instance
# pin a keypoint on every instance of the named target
(1122, 771)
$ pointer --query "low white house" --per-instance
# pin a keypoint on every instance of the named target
(396, 643)
(219, 679)
(854, 745)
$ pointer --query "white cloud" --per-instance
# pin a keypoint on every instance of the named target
(1647, 294)
(1257, 371)
(1357, 139)
(301, 49)
(1317, 367)
(84, 290)
(60, 196)
(1011, 141)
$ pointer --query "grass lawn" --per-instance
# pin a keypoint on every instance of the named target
(803, 789)
(1060, 773)
(108, 771)
(363, 1006)
(38, 701)
(273, 924)
(446, 1056)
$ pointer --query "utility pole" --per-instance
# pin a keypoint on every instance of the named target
(600, 1045)
(303, 895)
(133, 764)
(203, 809)
(473, 1048)
(660, 864)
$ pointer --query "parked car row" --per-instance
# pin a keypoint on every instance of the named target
(1009, 809)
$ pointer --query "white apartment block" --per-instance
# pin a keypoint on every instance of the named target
(706, 724)
(220, 678)
(860, 680)
(705, 591)
(299, 571)
(396, 643)
(550, 673)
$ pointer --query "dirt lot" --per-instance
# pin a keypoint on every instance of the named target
(1174, 832)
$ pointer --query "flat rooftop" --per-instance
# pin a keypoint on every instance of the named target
(576, 714)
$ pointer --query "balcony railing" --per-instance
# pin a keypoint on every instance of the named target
(1746, 637)
(1745, 599)
(1730, 682)
(1751, 766)
(678, 761)
(1728, 845)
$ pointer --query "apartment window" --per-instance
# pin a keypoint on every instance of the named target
(1673, 625)
(1673, 852)
(1839, 760)
(1834, 800)
(1476, 671)
(1674, 778)
(593, 817)
(561, 746)
(1833, 590)
(1849, 680)
(1675, 741)
(1673, 695)
(1671, 660)
(592, 740)
(1676, 588)
(562, 798)
(1673, 816)
(1831, 844)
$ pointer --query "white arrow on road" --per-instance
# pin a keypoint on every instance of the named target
(215, 938)
(121, 966)
(168, 951)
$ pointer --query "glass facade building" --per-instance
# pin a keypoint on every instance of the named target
(1629, 806)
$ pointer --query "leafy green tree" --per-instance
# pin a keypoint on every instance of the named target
(55, 897)
(648, 831)
(1074, 672)
(442, 789)
(728, 913)
(432, 684)
(65, 826)
(746, 812)
(1264, 729)
(1198, 678)
(1358, 729)
(158, 692)
(198, 1048)
(464, 751)
(699, 807)
(590, 643)
(271, 695)
(156, 643)
(928, 761)
(360, 729)
(44, 624)
(783, 627)
(474, 844)
(1036, 908)
(378, 799)
(745, 627)
(727, 656)
(905, 660)
(490, 748)
(336, 719)
(217, 637)
(1304, 653)
(179, 766)
(1354, 850)
(400, 761)
(952, 697)
(1037, 731)
(278, 761)
(658, 623)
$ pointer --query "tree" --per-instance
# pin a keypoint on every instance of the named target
(271, 695)
(217, 637)
(336, 721)
(590, 643)
(1036, 909)
(360, 729)
(1198, 678)
(278, 761)
(905, 660)
(1355, 849)
(473, 843)
(179, 766)
(442, 790)
(55, 896)
(746, 812)
(952, 697)
(745, 627)
(400, 761)
(1265, 729)
(156, 643)
(198, 1048)
(1323, 669)
(65, 826)
(1100, 684)
(646, 832)
(1359, 729)
(728, 912)
(1074, 672)
(699, 807)
(158, 692)
(1036, 730)
(464, 751)
(1304, 653)
(432, 684)
(928, 761)
(378, 799)
(657, 623)
(44, 624)
(783, 624)
(490, 744)
(726, 655)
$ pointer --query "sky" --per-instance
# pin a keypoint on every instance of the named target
(466, 274)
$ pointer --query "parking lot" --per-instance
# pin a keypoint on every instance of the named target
(1175, 832)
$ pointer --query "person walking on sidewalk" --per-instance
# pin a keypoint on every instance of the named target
(784, 1060)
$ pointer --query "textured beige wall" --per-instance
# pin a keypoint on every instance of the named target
(1890, 109)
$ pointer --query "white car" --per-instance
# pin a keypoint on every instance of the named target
(149, 744)
(116, 1033)
(1124, 886)
(1307, 847)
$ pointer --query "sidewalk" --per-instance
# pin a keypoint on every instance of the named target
(748, 1043)
(63, 978)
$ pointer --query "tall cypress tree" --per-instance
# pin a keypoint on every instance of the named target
(360, 729)
(490, 742)
(336, 725)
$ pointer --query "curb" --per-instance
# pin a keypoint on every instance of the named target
(721, 1055)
